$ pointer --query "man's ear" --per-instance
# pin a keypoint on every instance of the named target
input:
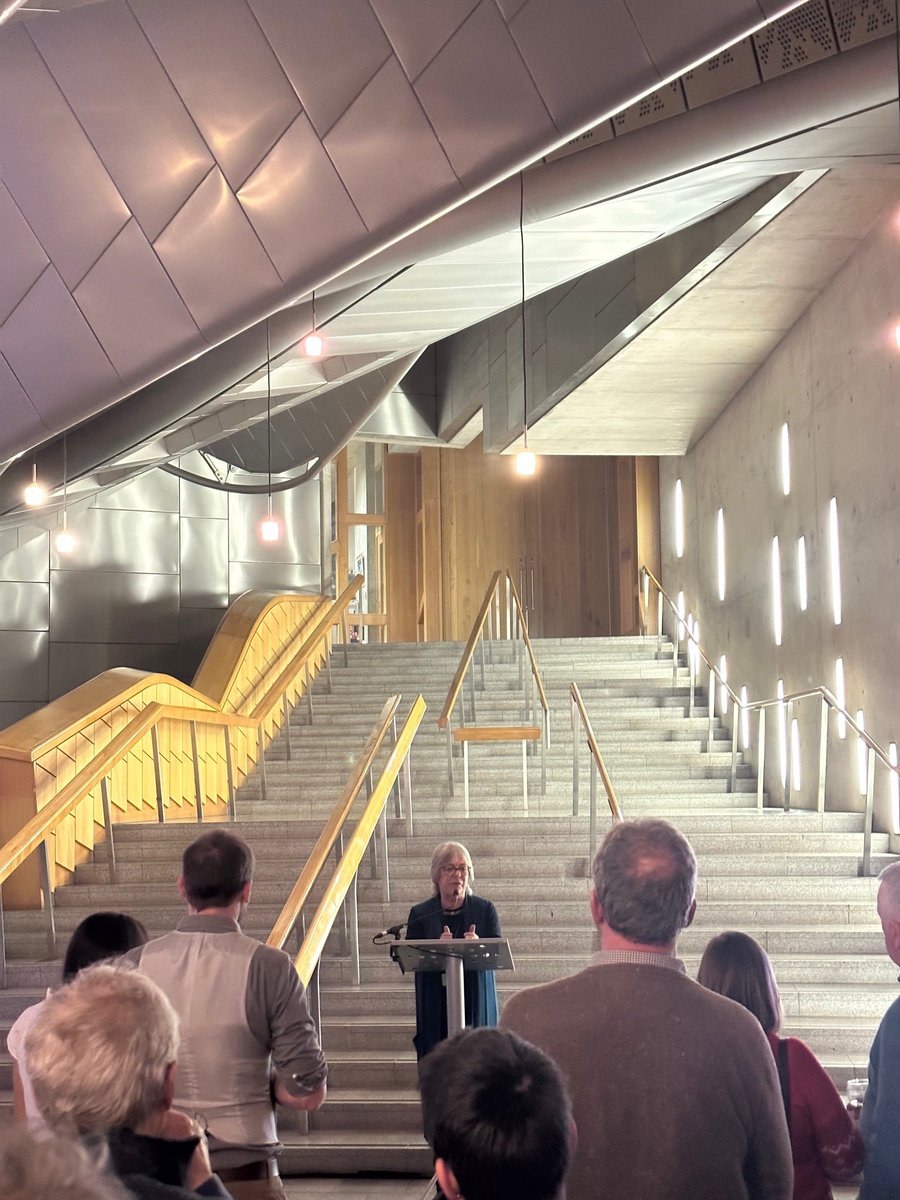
(181, 890)
(446, 1179)
(692, 912)
(246, 890)
(892, 939)
(596, 908)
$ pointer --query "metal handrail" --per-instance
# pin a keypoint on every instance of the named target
(828, 701)
(598, 767)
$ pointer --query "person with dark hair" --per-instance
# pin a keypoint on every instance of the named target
(674, 1091)
(99, 937)
(497, 1117)
(452, 912)
(243, 1015)
(825, 1142)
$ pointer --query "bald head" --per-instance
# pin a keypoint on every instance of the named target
(889, 909)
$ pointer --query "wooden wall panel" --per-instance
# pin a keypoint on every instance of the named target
(647, 504)
(400, 546)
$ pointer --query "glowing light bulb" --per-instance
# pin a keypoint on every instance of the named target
(34, 494)
(66, 541)
(526, 462)
(313, 345)
(269, 529)
(897, 335)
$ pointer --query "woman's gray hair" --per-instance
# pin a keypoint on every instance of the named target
(99, 1051)
(34, 1167)
(645, 877)
(442, 855)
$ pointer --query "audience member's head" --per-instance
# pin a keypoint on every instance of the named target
(497, 1117)
(889, 909)
(35, 1168)
(216, 868)
(735, 965)
(100, 936)
(101, 1053)
(645, 877)
(448, 852)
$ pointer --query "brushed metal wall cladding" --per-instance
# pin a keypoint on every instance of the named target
(860, 21)
(25, 605)
(14, 710)
(113, 606)
(197, 628)
(122, 541)
(72, 663)
(25, 663)
(274, 576)
(29, 563)
(204, 562)
(298, 511)
(154, 491)
(731, 71)
(804, 35)
(199, 501)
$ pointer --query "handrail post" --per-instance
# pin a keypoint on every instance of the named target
(344, 930)
(481, 658)
(870, 808)
(158, 774)
(465, 779)
(788, 710)
(198, 786)
(573, 712)
(398, 798)
(345, 634)
(386, 866)
(592, 828)
(107, 822)
(263, 781)
(711, 710)
(229, 774)
(823, 755)
(353, 918)
(471, 673)
(309, 709)
(288, 743)
(735, 722)
(49, 915)
(450, 754)
(692, 679)
(524, 777)
(328, 653)
(407, 775)
(659, 624)
(761, 764)
(544, 740)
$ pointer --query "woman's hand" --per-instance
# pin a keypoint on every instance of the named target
(446, 935)
(470, 933)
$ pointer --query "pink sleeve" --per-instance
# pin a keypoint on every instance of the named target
(837, 1140)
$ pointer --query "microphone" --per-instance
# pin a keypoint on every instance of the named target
(392, 931)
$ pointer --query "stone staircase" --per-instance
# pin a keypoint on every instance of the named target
(789, 879)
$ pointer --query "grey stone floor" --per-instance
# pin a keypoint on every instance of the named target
(331, 1187)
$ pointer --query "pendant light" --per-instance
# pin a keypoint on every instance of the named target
(66, 541)
(526, 460)
(314, 343)
(269, 527)
(34, 493)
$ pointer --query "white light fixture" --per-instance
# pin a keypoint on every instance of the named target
(526, 460)
(802, 593)
(862, 755)
(782, 731)
(313, 343)
(269, 526)
(785, 460)
(894, 789)
(66, 541)
(679, 519)
(720, 551)
(835, 556)
(34, 493)
(776, 591)
(723, 685)
(745, 720)
(840, 695)
(795, 755)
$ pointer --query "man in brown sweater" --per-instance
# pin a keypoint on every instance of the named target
(674, 1090)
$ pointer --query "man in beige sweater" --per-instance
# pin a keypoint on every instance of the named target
(674, 1089)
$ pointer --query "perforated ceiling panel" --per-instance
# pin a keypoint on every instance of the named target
(665, 102)
(731, 71)
(860, 21)
(803, 36)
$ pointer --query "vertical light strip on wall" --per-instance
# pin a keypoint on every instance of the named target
(723, 685)
(745, 720)
(720, 551)
(782, 732)
(862, 755)
(679, 519)
(894, 789)
(835, 556)
(776, 590)
(785, 460)
(840, 695)
(802, 593)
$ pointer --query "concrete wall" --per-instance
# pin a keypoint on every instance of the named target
(834, 379)
(157, 564)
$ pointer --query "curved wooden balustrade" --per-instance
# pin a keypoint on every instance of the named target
(184, 760)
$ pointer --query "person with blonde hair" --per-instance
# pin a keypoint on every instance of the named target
(33, 1168)
(452, 912)
(825, 1143)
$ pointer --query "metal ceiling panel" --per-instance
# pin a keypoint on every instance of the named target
(509, 8)
(214, 258)
(47, 329)
(22, 424)
(328, 51)
(678, 34)
(232, 83)
(388, 156)
(497, 109)
(730, 71)
(128, 107)
(859, 21)
(418, 29)
(802, 36)
(566, 43)
(134, 309)
(35, 114)
(23, 258)
(298, 205)
(665, 102)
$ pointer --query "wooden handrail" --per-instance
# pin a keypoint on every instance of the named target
(469, 652)
(595, 753)
(523, 624)
(342, 879)
(329, 835)
(43, 823)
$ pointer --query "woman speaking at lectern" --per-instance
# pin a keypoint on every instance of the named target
(452, 912)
